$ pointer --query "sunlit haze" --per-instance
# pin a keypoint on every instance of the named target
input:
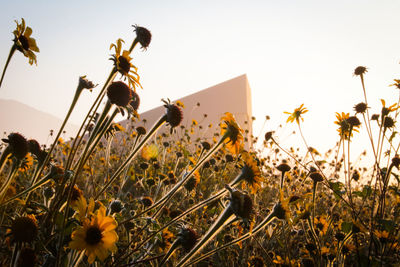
(293, 52)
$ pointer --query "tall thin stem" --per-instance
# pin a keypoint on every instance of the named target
(12, 50)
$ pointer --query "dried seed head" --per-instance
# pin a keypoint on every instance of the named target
(116, 206)
(18, 145)
(141, 130)
(188, 238)
(174, 114)
(143, 36)
(119, 94)
(316, 177)
(353, 121)
(283, 167)
(360, 107)
(24, 229)
(268, 136)
(360, 70)
(389, 122)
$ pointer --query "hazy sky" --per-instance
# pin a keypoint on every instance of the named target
(293, 52)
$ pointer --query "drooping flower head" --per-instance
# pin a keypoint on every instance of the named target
(24, 229)
(24, 42)
(240, 203)
(96, 236)
(251, 172)
(119, 94)
(17, 144)
(143, 36)
(232, 133)
(174, 114)
(122, 64)
(296, 114)
(360, 70)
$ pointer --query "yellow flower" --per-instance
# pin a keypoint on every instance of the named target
(150, 152)
(251, 172)
(346, 127)
(296, 115)
(123, 65)
(24, 43)
(97, 236)
(180, 104)
(232, 133)
(321, 224)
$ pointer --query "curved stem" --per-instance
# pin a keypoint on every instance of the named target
(12, 50)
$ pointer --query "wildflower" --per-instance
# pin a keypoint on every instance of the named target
(24, 229)
(296, 115)
(396, 83)
(116, 206)
(119, 94)
(187, 238)
(24, 42)
(232, 133)
(386, 110)
(174, 114)
(146, 201)
(360, 70)
(206, 145)
(141, 130)
(250, 173)
(388, 122)
(346, 126)
(143, 36)
(256, 261)
(321, 224)
(17, 145)
(268, 136)
(122, 64)
(316, 177)
(97, 236)
(241, 203)
(149, 152)
(85, 84)
(360, 107)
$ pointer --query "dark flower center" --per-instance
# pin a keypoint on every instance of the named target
(124, 65)
(93, 235)
(24, 42)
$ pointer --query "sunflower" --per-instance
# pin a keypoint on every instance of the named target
(232, 133)
(251, 172)
(97, 236)
(122, 64)
(24, 43)
(296, 115)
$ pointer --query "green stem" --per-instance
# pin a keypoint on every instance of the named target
(12, 50)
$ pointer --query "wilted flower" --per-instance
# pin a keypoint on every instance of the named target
(122, 64)
(85, 84)
(360, 107)
(17, 145)
(143, 36)
(360, 70)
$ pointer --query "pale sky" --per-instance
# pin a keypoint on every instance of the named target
(293, 52)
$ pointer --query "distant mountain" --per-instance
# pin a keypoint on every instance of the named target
(32, 123)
